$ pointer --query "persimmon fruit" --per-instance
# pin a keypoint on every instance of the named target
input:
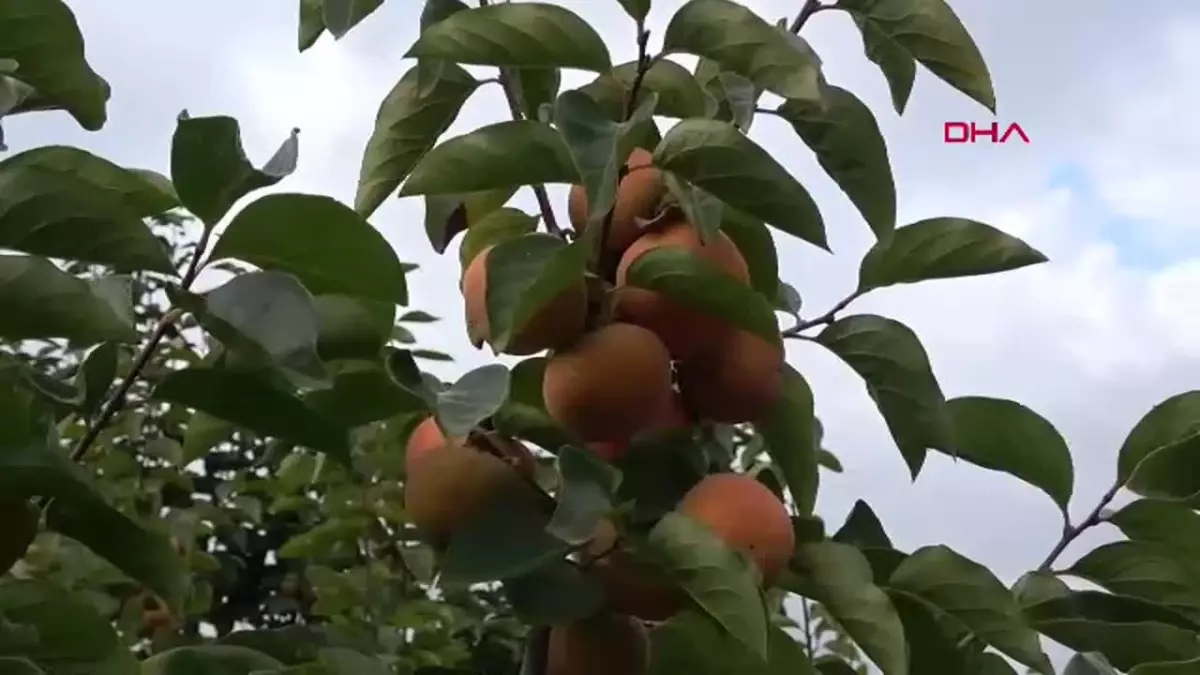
(638, 197)
(604, 644)
(738, 380)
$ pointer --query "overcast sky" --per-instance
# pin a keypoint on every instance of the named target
(1105, 89)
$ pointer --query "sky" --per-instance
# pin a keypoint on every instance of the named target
(1106, 91)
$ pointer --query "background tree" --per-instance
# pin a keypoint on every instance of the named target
(261, 478)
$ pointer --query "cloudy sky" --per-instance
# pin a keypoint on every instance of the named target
(1106, 188)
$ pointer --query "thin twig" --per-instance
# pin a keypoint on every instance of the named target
(1072, 532)
(810, 7)
(116, 402)
(808, 636)
(514, 108)
(826, 318)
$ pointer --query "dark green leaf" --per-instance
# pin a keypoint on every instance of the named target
(839, 577)
(721, 160)
(723, 582)
(268, 313)
(692, 642)
(1090, 663)
(203, 432)
(254, 403)
(863, 528)
(498, 226)
(95, 375)
(598, 146)
(19, 524)
(436, 11)
(721, 30)
(893, 364)
(756, 245)
(1156, 458)
(698, 283)
(349, 328)
(409, 122)
(325, 244)
(38, 300)
(788, 433)
(896, 64)
(474, 397)
(501, 544)
(447, 215)
(72, 638)
(556, 594)
(1006, 436)
(586, 486)
(66, 203)
(342, 15)
(534, 87)
(679, 95)
(362, 396)
(843, 133)
(932, 646)
(497, 156)
(1171, 525)
(942, 248)
(699, 208)
(211, 171)
(1143, 570)
(1175, 668)
(970, 593)
(206, 659)
(636, 9)
(933, 35)
(43, 37)
(1126, 630)
(523, 35)
(312, 23)
(523, 275)
(14, 665)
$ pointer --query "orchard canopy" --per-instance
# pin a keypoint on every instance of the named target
(262, 476)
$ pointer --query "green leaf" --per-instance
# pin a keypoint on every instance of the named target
(1127, 631)
(932, 636)
(1156, 458)
(21, 523)
(312, 23)
(341, 15)
(522, 35)
(436, 11)
(1175, 668)
(66, 203)
(251, 402)
(1090, 663)
(723, 582)
(598, 146)
(721, 30)
(349, 328)
(691, 642)
(534, 87)
(38, 300)
(14, 665)
(447, 215)
(843, 133)
(473, 398)
(586, 487)
(501, 544)
(323, 243)
(360, 397)
(211, 171)
(894, 61)
(1004, 435)
(933, 35)
(43, 37)
(756, 245)
(691, 280)
(501, 225)
(839, 577)
(942, 248)
(895, 368)
(1145, 571)
(1167, 524)
(204, 659)
(700, 208)
(556, 594)
(717, 158)
(202, 433)
(863, 528)
(71, 637)
(970, 593)
(636, 9)
(95, 375)
(502, 155)
(410, 120)
(523, 275)
(269, 314)
(788, 433)
(679, 94)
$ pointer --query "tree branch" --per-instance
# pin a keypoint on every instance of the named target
(1072, 532)
(810, 7)
(826, 318)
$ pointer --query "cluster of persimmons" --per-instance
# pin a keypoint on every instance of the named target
(651, 365)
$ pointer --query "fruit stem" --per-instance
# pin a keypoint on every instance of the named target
(539, 191)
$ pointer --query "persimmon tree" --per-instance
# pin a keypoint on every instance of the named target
(262, 478)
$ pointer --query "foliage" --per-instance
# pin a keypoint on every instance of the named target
(213, 481)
